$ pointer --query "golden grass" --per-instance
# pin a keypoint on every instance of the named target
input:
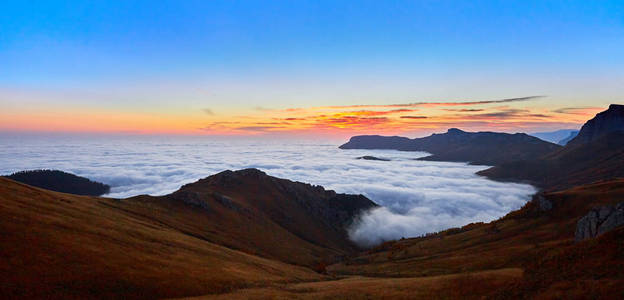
(465, 286)
(58, 245)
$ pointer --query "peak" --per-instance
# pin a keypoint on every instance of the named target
(605, 122)
(251, 172)
(455, 130)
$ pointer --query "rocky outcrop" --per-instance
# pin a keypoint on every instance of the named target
(598, 221)
(605, 122)
(543, 203)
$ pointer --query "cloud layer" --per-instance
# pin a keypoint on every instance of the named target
(417, 196)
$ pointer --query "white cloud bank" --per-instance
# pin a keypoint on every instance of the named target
(418, 196)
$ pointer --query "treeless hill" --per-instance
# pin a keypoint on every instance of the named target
(248, 210)
(56, 245)
(479, 148)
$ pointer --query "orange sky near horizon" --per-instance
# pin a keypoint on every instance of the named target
(410, 119)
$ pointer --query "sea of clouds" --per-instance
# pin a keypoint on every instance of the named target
(417, 197)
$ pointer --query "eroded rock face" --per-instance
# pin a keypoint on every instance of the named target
(544, 204)
(598, 221)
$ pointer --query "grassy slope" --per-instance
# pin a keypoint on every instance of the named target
(67, 246)
(541, 243)
(260, 217)
(75, 246)
(456, 286)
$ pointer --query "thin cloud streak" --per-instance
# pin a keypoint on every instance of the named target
(434, 104)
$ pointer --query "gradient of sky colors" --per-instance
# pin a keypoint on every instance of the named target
(307, 67)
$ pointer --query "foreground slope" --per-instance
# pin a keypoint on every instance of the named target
(57, 245)
(539, 239)
(480, 148)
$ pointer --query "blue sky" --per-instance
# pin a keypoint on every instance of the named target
(233, 56)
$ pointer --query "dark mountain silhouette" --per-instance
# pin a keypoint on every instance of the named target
(60, 181)
(480, 148)
(610, 120)
(597, 153)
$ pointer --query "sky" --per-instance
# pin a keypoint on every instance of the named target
(307, 68)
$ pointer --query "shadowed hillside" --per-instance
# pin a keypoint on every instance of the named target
(260, 214)
(479, 148)
(60, 181)
(597, 153)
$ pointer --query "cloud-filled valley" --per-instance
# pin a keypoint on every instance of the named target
(417, 196)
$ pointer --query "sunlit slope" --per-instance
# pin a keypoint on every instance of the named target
(65, 246)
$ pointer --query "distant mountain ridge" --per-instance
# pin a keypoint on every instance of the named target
(60, 181)
(479, 148)
(567, 139)
(560, 137)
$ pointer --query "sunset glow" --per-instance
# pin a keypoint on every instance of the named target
(306, 69)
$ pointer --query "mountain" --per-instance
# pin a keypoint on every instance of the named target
(567, 139)
(253, 212)
(597, 153)
(610, 120)
(479, 148)
(554, 136)
(60, 181)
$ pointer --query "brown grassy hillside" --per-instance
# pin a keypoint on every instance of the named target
(57, 245)
(537, 241)
(259, 214)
